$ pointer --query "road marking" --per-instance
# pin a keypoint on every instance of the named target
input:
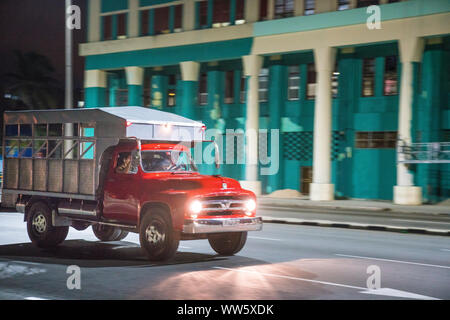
(34, 298)
(292, 278)
(396, 261)
(422, 221)
(398, 294)
(261, 238)
(382, 291)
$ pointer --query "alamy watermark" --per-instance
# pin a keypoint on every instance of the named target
(374, 280)
(374, 19)
(74, 280)
(73, 17)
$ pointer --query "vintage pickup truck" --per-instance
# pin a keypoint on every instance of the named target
(120, 170)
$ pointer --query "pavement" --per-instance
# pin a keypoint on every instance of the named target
(281, 262)
(360, 214)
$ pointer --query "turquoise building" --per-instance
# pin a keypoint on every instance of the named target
(343, 81)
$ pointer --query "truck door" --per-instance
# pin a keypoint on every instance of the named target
(121, 199)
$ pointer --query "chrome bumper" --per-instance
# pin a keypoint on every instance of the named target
(222, 225)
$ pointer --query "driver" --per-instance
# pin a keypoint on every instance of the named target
(124, 164)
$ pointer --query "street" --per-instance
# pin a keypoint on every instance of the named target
(281, 262)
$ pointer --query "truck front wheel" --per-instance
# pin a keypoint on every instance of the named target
(40, 229)
(227, 244)
(157, 237)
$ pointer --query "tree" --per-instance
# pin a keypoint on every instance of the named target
(33, 83)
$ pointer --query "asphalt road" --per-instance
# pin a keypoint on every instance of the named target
(281, 262)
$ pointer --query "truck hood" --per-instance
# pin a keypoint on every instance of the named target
(193, 181)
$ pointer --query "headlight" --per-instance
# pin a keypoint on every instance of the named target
(195, 207)
(250, 205)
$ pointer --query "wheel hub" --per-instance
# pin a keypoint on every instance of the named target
(39, 223)
(153, 235)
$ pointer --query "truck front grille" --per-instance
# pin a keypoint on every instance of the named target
(221, 206)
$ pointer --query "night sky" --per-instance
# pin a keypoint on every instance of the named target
(38, 25)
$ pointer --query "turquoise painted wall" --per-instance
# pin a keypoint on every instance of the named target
(357, 173)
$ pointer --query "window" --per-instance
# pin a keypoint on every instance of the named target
(121, 26)
(262, 10)
(311, 82)
(368, 85)
(162, 20)
(375, 139)
(309, 7)
(147, 92)
(293, 83)
(178, 18)
(366, 3)
(171, 91)
(145, 22)
(242, 89)
(221, 13)
(107, 28)
(390, 76)
(127, 162)
(284, 8)
(335, 81)
(229, 87)
(263, 85)
(203, 89)
(240, 19)
(203, 14)
(343, 4)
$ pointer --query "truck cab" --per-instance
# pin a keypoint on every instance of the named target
(136, 180)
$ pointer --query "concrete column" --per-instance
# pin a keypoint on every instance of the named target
(189, 15)
(270, 9)
(251, 11)
(252, 68)
(133, 18)
(135, 79)
(325, 6)
(411, 50)
(189, 75)
(321, 187)
(353, 4)
(95, 88)
(94, 20)
(299, 7)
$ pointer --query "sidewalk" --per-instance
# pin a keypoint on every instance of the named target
(356, 213)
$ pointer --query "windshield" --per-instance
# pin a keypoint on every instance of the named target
(167, 160)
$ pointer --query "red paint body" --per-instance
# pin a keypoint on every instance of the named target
(126, 194)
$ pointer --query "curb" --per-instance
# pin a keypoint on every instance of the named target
(349, 225)
(352, 208)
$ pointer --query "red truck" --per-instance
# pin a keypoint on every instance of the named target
(120, 170)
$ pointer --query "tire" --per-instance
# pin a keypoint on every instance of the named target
(157, 237)
(123, 234)
(227, 244)
(40, 229)
(105, 232)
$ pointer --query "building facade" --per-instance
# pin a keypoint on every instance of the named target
(341, 85)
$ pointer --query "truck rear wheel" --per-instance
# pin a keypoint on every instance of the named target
(40, 229)
(157, 237)
(227, 244)
(107, 233)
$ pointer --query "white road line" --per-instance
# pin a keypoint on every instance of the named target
(261, 238)
(382, 291)
(34, 298)
(292, 278)
(421, 221)
(396, 261)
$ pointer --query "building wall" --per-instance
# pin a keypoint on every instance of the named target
(356, 172)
